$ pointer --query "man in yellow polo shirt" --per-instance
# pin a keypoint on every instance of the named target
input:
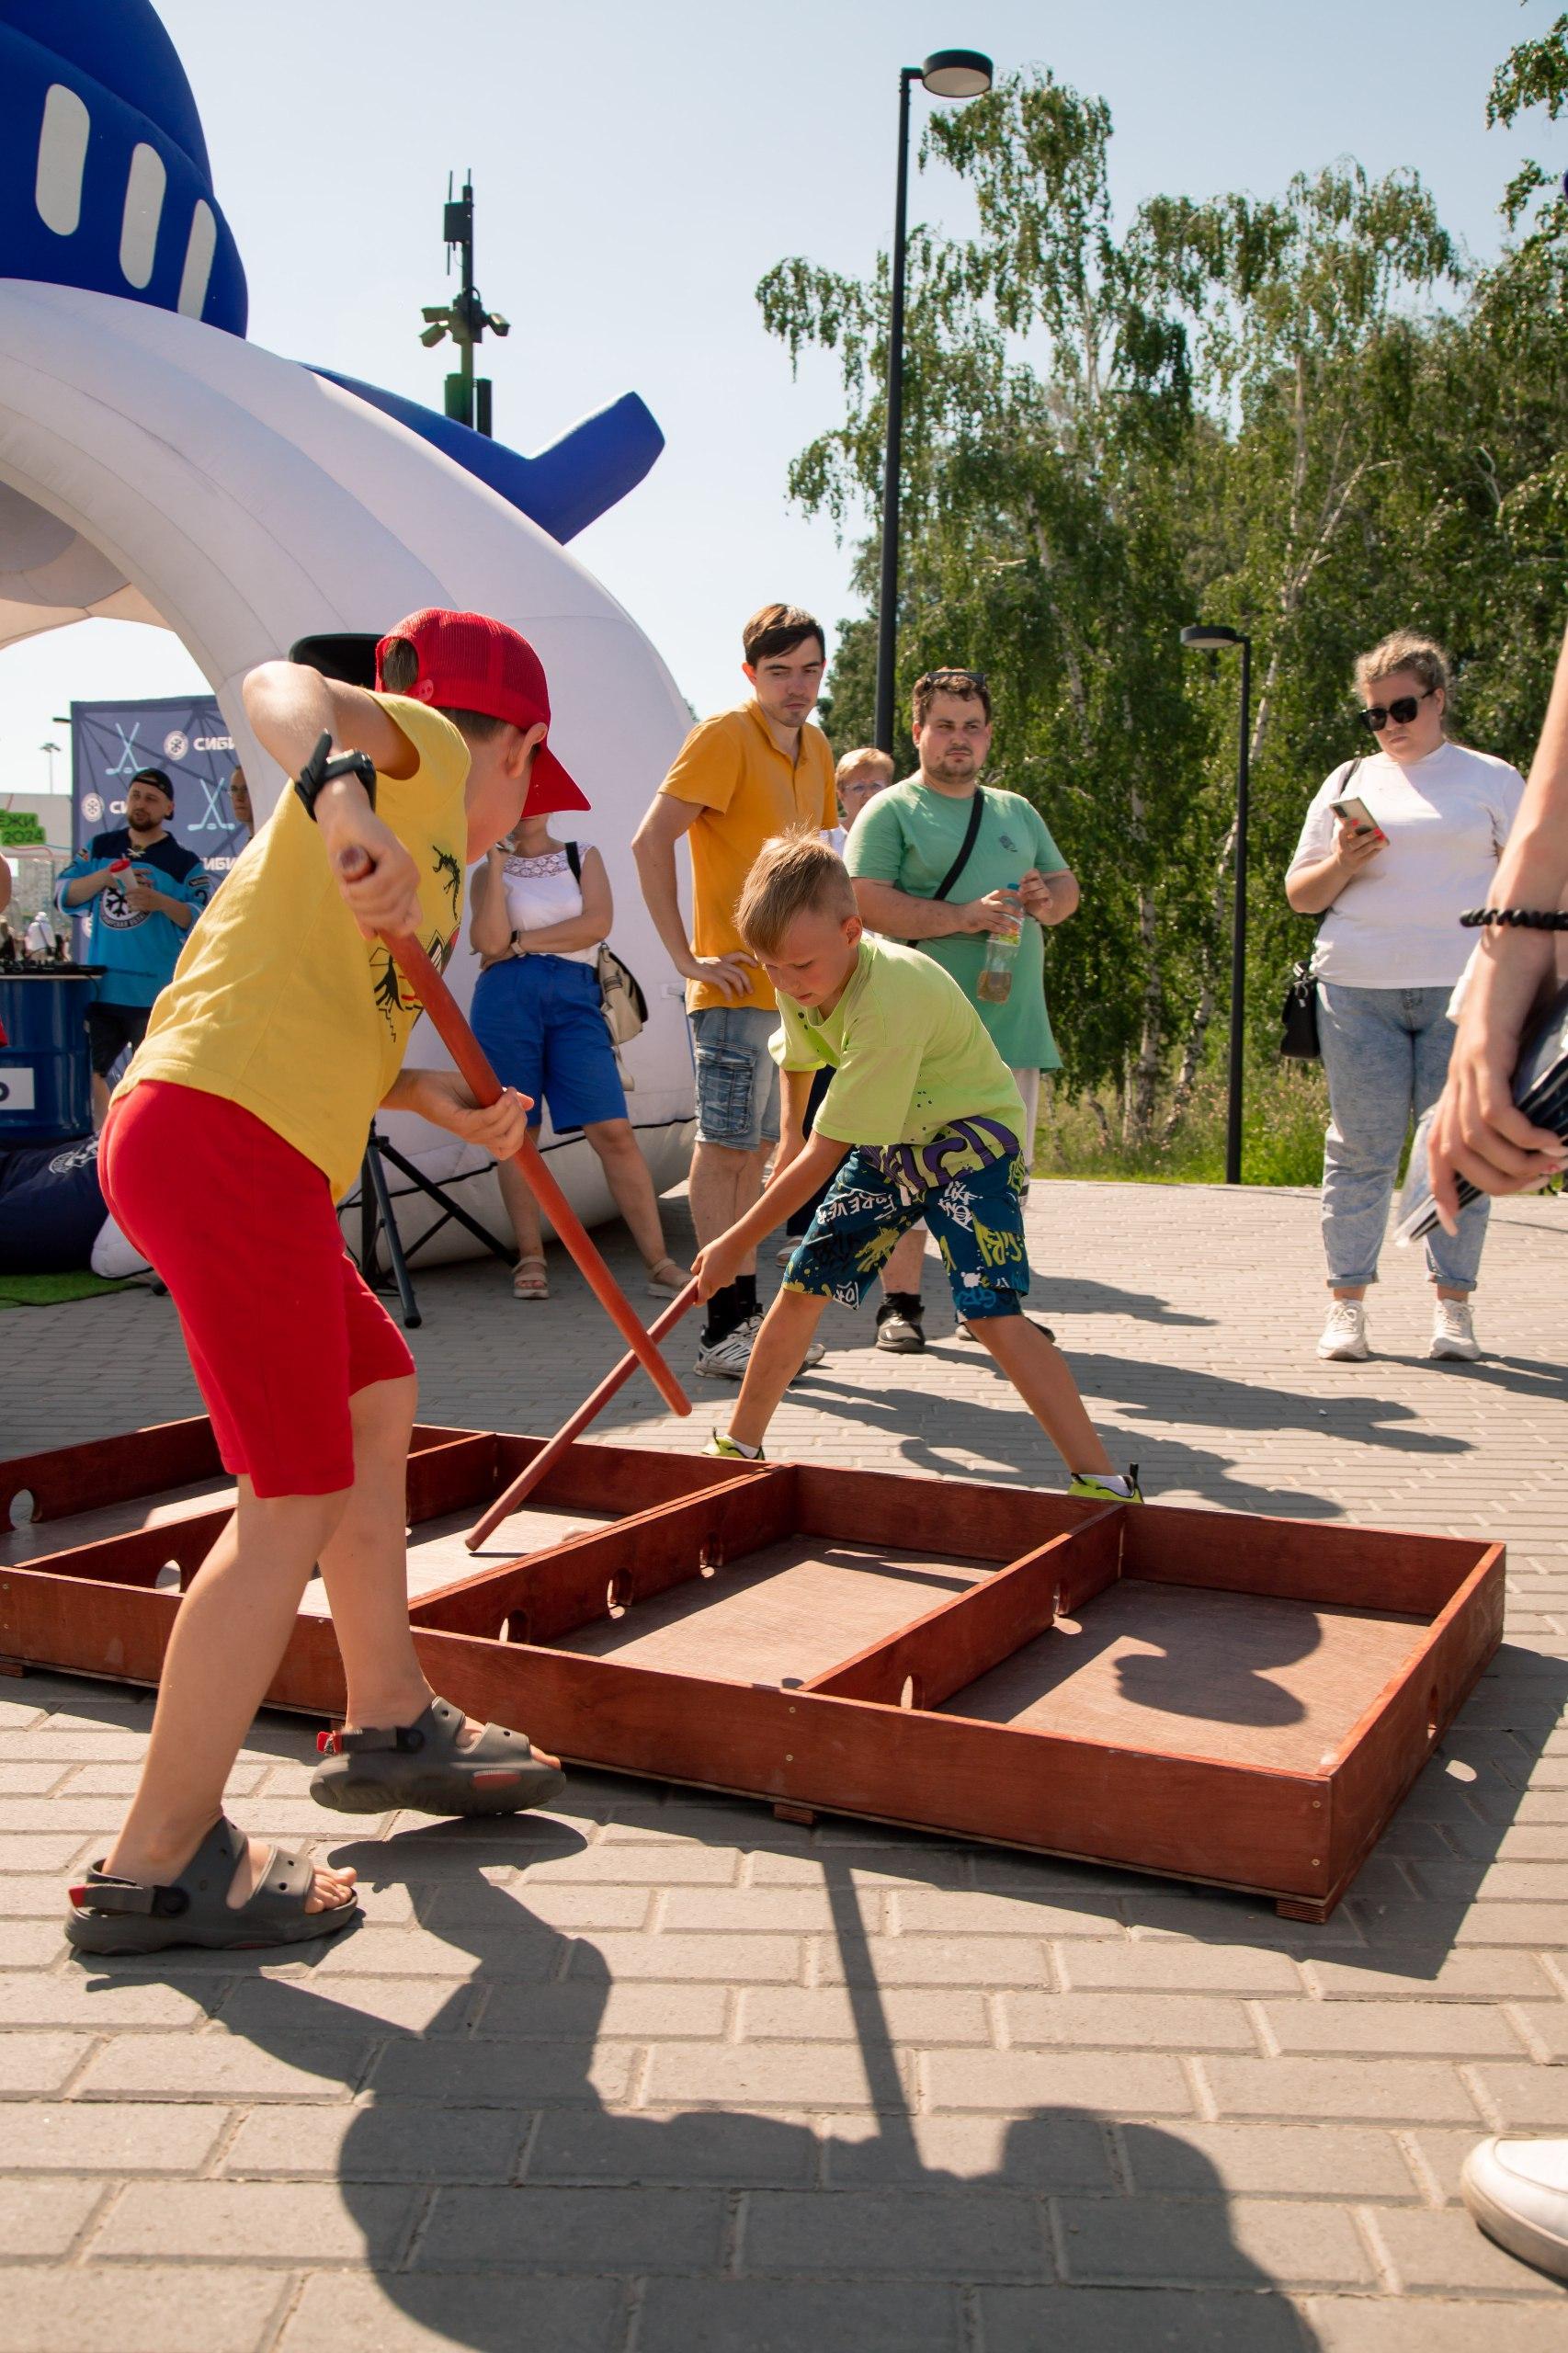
(740, 779)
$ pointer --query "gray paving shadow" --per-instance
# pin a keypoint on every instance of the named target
(502, 2205)
(1013, 1450)
(1053, 1294)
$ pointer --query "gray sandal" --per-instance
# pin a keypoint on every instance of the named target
(420, 1766)
(109, 1915)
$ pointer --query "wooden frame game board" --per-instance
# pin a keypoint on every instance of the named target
(1234, 1700)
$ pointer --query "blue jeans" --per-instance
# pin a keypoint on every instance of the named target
(1386, 1054)
(737, 1078)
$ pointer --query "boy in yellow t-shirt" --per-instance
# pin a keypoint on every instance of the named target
(241, 1119)
(921, 1120)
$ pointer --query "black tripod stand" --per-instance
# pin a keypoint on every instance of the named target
(376, 1217)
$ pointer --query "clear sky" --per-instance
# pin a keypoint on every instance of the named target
(637, 169)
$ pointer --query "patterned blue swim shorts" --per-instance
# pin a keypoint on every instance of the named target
(976, 1215)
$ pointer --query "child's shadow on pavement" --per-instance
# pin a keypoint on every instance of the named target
(501, 2204)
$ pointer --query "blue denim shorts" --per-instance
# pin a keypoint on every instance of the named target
(540, 1021)
(737, 1078)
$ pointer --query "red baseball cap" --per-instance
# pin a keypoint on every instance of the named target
(468, 662)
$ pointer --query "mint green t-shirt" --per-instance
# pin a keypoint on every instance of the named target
(913, 1067)
(909, 837)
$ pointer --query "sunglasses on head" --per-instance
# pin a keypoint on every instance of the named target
(1376, 715)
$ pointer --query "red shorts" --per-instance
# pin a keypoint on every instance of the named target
(280, 1325)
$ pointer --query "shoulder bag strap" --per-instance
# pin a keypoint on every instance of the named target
(575, 861)
(976, 810)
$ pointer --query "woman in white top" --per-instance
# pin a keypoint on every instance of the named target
(1388, 952)
(538, 1015)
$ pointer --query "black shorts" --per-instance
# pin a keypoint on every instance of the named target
(112, 1028)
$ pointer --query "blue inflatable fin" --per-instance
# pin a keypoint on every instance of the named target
(566, 487)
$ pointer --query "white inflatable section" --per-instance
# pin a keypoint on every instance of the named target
(155, 468)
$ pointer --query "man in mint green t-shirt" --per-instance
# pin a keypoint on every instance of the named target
(904, 847)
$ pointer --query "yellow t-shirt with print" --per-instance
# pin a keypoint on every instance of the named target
(279, 1001)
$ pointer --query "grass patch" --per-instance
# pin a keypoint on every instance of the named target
(52, 1291)
(1285, 1113)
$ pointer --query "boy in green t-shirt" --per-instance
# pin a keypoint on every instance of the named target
(921, 1120)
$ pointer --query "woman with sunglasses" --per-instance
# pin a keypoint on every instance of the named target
(1389, 951)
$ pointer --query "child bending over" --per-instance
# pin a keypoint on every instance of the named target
(921, 1120)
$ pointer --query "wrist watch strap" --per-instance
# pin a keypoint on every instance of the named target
(319, 772)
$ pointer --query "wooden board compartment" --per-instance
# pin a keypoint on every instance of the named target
(1236, 1699)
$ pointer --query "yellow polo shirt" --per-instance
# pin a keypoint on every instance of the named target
(279, 1002)
(747, 789)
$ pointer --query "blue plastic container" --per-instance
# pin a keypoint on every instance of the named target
(46, 1091)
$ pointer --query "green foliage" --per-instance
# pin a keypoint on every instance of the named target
(1300, 415)
(1282, 1130)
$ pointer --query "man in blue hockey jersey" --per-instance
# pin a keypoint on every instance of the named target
(145, 892)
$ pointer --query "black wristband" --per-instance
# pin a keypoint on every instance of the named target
(1515, 918)
(319, 772)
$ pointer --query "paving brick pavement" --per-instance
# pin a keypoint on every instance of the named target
(659, 2074)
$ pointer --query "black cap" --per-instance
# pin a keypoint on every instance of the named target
(160, 777)
(346, 655)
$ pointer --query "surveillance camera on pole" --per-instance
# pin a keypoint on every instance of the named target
(465, 319)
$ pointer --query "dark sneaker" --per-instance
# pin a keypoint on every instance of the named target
(900, 1324)
(962, 1331)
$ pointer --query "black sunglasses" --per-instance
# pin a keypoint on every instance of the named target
(1376, 715)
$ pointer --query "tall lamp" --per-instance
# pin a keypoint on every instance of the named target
(1211, 637)
(946, 73)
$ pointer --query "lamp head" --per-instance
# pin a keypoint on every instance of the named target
(957, 73)
(1209, 636)
(432, 336)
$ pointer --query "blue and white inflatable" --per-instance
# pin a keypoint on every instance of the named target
(154, 466)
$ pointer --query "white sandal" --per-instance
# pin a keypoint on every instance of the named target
(667, 1280)
(530, 1285)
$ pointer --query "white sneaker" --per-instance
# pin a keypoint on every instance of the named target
(1517, 2191)
(727, 1358)
(1453, 1330)
(1344, 1338)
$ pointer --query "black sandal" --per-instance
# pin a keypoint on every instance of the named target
(421, 1767)
(110, 1916)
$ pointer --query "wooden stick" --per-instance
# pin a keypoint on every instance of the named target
(486, 1088)
(574, 1426)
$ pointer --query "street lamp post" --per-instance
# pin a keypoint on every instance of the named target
(946, 73)
(1210, 637)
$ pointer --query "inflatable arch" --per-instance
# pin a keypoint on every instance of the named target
(156, 467)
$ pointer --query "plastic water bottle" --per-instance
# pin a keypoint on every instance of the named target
(995, 982)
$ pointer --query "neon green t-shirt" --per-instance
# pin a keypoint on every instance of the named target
(916, 1080)
(910, 835)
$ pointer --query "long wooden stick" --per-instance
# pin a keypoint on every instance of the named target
(573, 1427)
(486, 1088)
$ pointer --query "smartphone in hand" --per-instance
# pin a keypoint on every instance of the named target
(1353, 810)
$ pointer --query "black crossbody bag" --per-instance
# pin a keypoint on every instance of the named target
(1299, 1039)
(976, 811)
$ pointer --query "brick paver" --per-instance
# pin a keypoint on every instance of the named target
(661, 2075)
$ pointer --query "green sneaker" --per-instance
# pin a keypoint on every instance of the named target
(1091, 1485)
(726, 1448)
